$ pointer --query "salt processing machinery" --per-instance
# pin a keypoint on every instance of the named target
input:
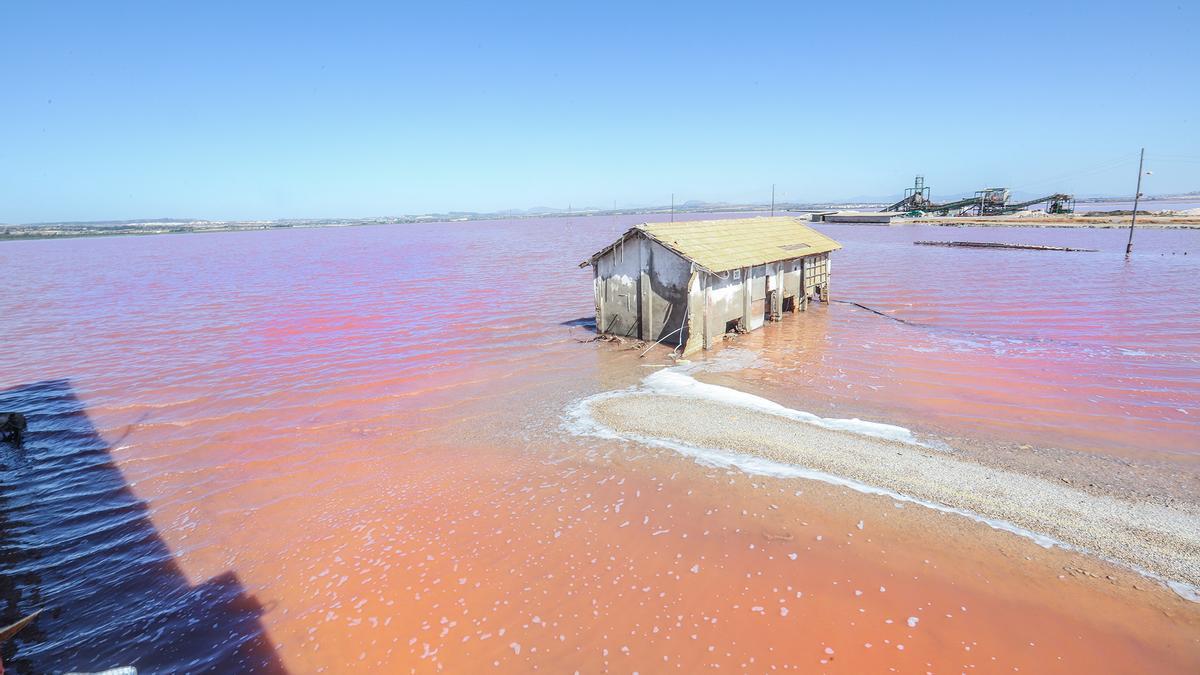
(986, 202)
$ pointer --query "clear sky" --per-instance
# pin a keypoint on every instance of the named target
(112, 110)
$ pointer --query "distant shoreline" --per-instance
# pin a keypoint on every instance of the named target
(75, 230)
(1145, 220)
(31, 233)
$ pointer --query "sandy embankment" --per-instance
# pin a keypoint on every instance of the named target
(1160, 540)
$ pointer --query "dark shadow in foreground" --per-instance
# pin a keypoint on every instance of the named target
(76, 541)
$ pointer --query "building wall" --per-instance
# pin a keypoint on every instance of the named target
(695, 332)
(668, 276)
(793, 277)
(641, 291)
(757, 310)
(816, 274)
(617, 278)
(646, 291)
(725, 301)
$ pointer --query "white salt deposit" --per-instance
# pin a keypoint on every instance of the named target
(673, 382)
(676, 383)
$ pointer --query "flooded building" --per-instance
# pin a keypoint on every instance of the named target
(687, 283)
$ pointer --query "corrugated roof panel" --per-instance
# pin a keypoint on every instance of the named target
(720, 245)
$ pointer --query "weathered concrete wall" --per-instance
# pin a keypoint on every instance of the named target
(694, 334)
(644, 290)
(724, 301)
(758, 297)
(617, 275)
(758, 284)
(641, 291)
(668, 276)
(793, 277)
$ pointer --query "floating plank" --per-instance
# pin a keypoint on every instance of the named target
(989, 244)
(10, 630)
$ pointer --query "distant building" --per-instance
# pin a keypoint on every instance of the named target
(872, 217)
(687, 283)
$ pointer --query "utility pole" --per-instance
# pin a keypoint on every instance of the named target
(772, 200)
(1136, 195)
(673, 206)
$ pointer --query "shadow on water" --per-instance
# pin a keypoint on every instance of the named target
(76, 541)
(588, 322)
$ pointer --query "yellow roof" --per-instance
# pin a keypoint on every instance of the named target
(720, 245)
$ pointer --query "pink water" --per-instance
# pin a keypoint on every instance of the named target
(1078, 350)
(333, 449)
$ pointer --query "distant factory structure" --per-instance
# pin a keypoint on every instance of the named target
(992, 201)
(686, 284)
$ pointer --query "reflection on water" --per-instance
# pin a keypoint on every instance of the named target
(362, 425)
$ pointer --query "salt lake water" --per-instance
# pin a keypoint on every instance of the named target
(323, 450)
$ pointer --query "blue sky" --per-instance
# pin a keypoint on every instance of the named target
(226, 110)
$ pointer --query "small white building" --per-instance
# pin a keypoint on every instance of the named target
(687, 283)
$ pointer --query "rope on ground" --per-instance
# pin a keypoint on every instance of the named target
(660, 340)
(883, 314)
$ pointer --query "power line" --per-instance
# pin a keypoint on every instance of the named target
(1107, 165)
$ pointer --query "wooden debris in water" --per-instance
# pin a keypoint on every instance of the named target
(990, 244)
(12, 629)
(604, 337)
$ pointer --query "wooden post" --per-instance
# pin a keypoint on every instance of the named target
(645, 294)
(803, 300)
(825, 286)
(777, 308)
(647, 302)
(708, 334)
(601, 291)
(1136, 194)
(796, 300)
(747, 296)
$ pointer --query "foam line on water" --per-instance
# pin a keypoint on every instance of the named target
(580, 421)
(673, 382)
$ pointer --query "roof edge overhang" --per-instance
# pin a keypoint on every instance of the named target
(640, 229)
(636, 230)
(591, 260)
